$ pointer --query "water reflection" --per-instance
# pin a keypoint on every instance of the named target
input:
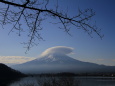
(27, 81)
(45, 81)
(63, 81)
(7, 81)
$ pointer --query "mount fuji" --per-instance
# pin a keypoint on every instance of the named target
(55, 60)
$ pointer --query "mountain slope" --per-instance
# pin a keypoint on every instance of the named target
(53, 63)
(6, 71)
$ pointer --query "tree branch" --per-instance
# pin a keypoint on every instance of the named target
(30, 12)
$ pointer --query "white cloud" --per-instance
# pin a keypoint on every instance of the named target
(21, 59)
(14, 59)
(58, 50)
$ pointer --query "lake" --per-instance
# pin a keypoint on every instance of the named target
(64, 81)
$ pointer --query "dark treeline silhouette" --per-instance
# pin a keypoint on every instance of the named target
(8, 75)
(69, 74)
(7, 72)
(62, 74)
(96, 74)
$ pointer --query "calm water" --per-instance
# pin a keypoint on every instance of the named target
(64, 81)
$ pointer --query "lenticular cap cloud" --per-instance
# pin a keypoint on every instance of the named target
(57, 50)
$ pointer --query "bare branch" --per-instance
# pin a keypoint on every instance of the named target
(5, 16)
(32, 13)
(18, 20)
(33, 31)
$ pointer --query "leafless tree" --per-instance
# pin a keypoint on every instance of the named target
(32, 13)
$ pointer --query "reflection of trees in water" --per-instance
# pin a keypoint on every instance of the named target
(52, 81)
(59, 81)
(7, 81)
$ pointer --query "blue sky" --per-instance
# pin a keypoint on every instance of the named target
(85, 48)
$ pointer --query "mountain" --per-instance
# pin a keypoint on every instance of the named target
(7, 72)
(8, 75)
(55, 63)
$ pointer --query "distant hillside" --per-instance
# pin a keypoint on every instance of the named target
(7, 72)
